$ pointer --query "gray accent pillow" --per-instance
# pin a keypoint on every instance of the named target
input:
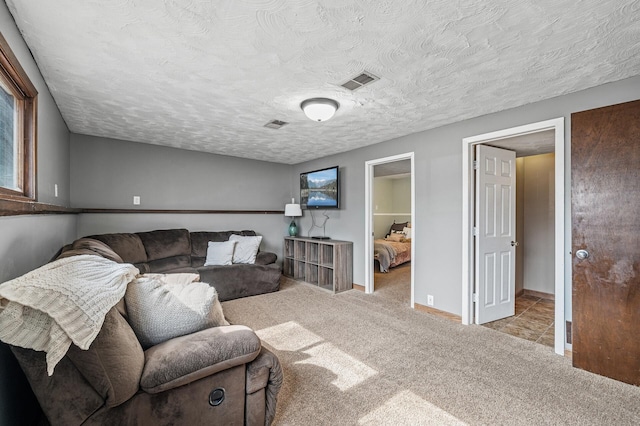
(220, 253)
(246, 248)
(162, 307)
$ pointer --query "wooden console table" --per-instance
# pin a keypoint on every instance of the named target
(327, 264)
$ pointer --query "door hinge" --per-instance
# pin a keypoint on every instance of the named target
(475, 297)
(475, 164)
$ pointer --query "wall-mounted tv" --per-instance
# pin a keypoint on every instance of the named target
(320, 189)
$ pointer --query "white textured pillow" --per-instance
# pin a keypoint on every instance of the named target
(159, 310)
(182, 278)
(246, 249)
(220, 253)
(395, 236)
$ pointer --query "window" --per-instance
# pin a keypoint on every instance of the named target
(18, 113)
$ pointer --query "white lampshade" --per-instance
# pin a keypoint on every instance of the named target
(292, 210)
(319, 109)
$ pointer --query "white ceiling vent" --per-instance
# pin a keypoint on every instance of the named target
(275, 124)
(362, 79)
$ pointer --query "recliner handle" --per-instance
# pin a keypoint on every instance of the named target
(216, 397)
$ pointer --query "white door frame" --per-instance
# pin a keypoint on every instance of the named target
(468, 203)
(368, 231)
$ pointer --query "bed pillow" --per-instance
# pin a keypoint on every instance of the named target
(246, 248)
(159, 309)
(220, 253)
(395, 236)
(407, 232)
(398, 227)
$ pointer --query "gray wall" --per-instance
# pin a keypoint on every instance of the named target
(27, 242)
(382, 205)
(390, 195)
(438, 164)
(538, 219)
(520, 224)
(107, 173)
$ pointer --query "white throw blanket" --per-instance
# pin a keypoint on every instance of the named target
(62, 302)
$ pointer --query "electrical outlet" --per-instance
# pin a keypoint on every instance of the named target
(136, 200)
(430, 300)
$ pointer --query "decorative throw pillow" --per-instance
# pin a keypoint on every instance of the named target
(246, 249)
(159, 310)
(394, 236)
(407, 232)
(397, 228)
(220, 253)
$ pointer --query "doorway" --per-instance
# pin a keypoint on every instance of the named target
(549, 134)
(390, 172)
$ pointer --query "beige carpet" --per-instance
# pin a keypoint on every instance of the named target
(352, 359)
(395, 284)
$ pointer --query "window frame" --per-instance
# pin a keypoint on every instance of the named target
(17, 80)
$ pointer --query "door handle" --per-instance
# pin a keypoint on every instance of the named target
(582, 254)
(514, 244)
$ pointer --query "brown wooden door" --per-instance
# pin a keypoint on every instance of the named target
(605, 205)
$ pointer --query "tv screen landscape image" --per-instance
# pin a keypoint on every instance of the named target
(320, 189)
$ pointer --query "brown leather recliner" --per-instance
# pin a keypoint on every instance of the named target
(219, 376)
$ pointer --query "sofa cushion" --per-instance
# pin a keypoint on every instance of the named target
(266, 258)
(220, 253)
(169, 264)
(166, 243)
(240, 280)
(167, 249)
(246, 248)
(186, 359)
(159, 308)
(128, 246)
(113, 363)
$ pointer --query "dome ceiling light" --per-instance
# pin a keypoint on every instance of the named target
(319, 109)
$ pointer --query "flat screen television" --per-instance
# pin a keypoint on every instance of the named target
(320, 189)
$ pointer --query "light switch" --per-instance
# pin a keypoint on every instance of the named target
(136, 200)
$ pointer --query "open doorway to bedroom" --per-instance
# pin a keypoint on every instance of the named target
(390, 227)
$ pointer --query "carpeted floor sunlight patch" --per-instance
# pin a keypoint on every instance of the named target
(357, 359)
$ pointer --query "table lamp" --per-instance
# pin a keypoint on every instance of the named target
(293, 210)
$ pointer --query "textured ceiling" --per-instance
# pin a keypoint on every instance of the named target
(207, 75)
(530, 144)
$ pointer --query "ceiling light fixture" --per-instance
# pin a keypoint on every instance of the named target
(319, 109)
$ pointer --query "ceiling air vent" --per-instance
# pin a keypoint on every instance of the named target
(359, 80)
(275, 124)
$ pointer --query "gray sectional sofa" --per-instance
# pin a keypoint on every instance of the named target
(178, 250)
(219, 375)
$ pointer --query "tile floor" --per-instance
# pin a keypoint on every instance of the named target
(533, 320)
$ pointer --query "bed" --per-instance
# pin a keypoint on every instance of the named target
(395, 249)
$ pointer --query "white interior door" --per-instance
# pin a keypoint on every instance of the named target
(495, 233)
